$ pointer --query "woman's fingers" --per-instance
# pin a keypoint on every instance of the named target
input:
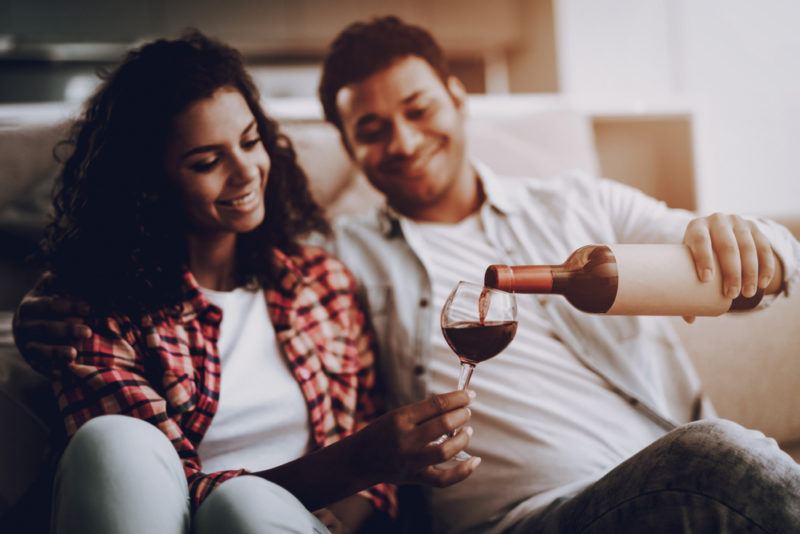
(436, 405)
(440, 478)
(442, 424)
(444, 448)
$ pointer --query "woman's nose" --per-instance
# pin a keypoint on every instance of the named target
(245, 170)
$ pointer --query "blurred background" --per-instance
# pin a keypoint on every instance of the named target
(695, 102)
(722, 74)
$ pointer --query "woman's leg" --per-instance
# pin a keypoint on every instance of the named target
(120, 474)
(250, 505)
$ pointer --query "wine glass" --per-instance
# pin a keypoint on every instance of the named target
(477, 323)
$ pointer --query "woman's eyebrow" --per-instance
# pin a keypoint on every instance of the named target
(211, 148)
(249, 127)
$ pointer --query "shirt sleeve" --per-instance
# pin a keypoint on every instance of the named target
(639, 218)
(108, 377)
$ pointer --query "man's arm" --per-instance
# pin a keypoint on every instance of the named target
(752, 254)
(47, 327)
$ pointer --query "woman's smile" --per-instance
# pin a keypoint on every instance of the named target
(244, 202)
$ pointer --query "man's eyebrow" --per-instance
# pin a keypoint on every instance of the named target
(413, 96)
(370, 117)
(211, 148)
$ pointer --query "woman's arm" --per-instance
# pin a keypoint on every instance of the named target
(397, 448)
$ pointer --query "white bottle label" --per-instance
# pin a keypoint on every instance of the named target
(662, 280)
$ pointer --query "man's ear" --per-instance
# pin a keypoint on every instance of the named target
(346, 143)
(457, 91)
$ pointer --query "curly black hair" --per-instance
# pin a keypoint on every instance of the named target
(364, 48)
(118, 238)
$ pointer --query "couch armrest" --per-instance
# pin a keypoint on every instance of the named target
(750, 366)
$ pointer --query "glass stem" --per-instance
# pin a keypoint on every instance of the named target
(465, 375)
(463, 381)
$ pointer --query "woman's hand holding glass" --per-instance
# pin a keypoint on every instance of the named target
(400, 446)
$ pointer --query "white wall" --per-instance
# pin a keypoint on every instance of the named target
(735, 61)
(741, 62)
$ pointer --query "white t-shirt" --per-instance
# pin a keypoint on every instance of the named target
(262, 417)
(544, 424)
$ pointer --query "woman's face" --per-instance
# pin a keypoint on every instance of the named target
(216, 159)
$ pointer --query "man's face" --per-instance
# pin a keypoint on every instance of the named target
(405, 129)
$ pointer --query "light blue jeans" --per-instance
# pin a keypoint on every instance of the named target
(122, 475)
(707, 476)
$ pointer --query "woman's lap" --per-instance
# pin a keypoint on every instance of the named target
(120, 474)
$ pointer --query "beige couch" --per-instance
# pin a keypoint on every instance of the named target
(750, 364)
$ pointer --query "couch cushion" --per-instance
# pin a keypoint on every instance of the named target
(25, 406)
(750, 366)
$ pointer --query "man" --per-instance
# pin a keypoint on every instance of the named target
(583, 423)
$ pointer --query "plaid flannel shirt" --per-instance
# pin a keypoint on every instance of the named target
(165, 367)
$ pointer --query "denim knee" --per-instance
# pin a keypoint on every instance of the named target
(249, 504)
(725, 443)
(120, 474)
(118, 439)
(738, 467)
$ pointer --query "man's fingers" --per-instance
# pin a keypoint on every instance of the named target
(698, 239)
(689, 318)
(437, 404)
(51, 354)
(727, 249)
(748, 255)
(441, 478)
(54, 332)
(45, 307)
(766, 257)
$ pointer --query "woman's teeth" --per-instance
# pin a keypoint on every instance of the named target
(240, 201)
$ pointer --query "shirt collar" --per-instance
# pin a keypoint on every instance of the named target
(289, 275)
(497, 197)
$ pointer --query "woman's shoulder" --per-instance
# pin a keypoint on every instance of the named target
(319, 265)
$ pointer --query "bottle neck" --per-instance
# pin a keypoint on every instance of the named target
(521, 278)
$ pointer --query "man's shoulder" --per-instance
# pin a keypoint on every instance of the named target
(560, 182)
(570, 186)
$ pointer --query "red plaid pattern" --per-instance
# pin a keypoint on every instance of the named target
(165, 368)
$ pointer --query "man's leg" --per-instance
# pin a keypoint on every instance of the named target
(707, 476)
(252, 505)
(120, 474)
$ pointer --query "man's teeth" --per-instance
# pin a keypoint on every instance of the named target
(239, 201)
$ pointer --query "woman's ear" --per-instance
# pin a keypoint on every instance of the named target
(457, 91)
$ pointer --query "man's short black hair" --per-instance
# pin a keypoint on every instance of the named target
(363, 48)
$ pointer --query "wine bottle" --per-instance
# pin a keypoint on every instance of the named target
(625, 280)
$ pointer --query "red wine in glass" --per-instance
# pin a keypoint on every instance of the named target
(477, 323)
(475, 342)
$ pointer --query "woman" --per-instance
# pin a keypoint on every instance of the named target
(177, 217)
